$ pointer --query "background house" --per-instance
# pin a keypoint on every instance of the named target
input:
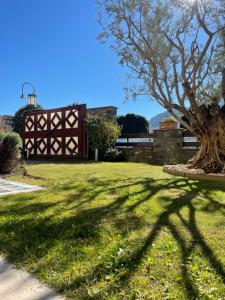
(107, 112)
(6, 123)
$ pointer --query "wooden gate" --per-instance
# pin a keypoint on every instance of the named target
(56, 133)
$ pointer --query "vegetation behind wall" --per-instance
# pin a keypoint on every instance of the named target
(19, 115)
(132, 123)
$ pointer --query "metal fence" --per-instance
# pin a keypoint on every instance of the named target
(146, 140)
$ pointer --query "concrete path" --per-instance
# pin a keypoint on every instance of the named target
(11, 187)
(16, 284)
(19, 285)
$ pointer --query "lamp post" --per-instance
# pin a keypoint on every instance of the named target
(32, 98)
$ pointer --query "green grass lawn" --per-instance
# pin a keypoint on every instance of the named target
(118, 231)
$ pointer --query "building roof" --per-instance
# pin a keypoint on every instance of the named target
(6, 117)
(101, 107)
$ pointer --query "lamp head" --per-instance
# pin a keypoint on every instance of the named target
(32, 99)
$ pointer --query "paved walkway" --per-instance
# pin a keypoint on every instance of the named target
(19, 285)
(16, 284)
(10, 187)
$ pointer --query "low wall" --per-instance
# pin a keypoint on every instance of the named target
(185, 154)
(167, 148)
(149, 156)
(139, 155)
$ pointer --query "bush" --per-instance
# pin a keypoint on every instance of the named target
(102, 134)
(114, 155)
(9, 152)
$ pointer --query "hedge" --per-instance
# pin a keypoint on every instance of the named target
(9, 152)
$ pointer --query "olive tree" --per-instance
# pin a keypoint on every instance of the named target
(175, 53)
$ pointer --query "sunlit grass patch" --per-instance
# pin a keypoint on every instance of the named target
(117, 231)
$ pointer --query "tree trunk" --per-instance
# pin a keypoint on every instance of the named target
(211, 154)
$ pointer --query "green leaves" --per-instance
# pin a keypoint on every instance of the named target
(101, 133)
(132, 123)
(19, 116)
(9, 152)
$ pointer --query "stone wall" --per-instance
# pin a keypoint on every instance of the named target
(185, 154)
(166, 149)
(139, 155)
(167, 143)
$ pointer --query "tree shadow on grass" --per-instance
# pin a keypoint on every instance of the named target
(28, 234)
(174, 207)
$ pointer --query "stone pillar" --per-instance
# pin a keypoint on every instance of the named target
(168, 123)
(167, 145)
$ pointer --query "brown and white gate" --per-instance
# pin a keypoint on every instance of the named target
(57, 133)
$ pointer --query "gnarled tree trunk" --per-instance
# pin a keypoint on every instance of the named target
(211, 155)
(175, 65)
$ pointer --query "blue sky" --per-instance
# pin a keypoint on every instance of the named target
(52, 44)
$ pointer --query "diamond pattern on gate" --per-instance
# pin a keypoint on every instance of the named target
(29, 123)
(42, 122)
(55, 132)
(56, 120)
(29, 145)
(71, 145)
(56, 146)
(42, 146)
(71, 118)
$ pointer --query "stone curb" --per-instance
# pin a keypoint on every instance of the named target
(187, 173)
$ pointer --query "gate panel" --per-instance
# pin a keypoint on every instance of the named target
(56, 132)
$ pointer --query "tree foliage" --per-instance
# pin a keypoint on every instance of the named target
(19, 116)
(174, 52)
(101, 133)
(132, 123)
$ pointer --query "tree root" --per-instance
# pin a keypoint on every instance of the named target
(209, 163)
(211, 155)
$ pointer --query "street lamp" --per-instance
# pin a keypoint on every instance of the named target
(32, 98)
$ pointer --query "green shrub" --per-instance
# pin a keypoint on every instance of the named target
(9, 152)
(102, 134)
(114, 155)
